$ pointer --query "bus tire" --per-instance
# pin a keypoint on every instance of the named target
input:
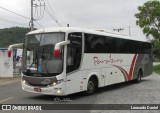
(139, 77)
(92, 86)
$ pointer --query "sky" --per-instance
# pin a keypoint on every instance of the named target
(92, 14)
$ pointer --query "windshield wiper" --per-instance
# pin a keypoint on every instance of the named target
(43, 58)
(34, 60)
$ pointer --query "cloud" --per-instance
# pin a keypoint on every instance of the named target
(103, 14)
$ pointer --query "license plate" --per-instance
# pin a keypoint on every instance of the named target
(37, 89)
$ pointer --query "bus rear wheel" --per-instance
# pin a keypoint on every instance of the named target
(139, 78)
(91, 86)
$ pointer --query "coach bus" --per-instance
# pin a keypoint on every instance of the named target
(66, 60)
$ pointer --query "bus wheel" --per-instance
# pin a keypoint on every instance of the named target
(139, 78)
(91, 86)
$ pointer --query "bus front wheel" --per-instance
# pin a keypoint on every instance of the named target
(91, 86)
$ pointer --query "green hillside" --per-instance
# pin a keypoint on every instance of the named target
(12, 35)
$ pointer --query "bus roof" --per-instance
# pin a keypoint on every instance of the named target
(90, 31)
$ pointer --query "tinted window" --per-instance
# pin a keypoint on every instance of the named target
(106, 44)
(94, 43)
(147, 47)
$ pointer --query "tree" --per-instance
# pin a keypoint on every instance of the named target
(12, 35)
(149, 18)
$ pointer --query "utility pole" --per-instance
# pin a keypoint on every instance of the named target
(32, 19)
(120, 29)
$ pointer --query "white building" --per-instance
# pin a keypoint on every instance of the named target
(6, 63)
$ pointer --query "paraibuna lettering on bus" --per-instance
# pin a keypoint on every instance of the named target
(106, 61)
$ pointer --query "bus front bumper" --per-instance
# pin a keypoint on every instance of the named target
(49, 90)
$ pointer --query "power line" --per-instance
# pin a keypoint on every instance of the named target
(39, 14)
(52, 14)
(42, 12)
(35, 11)
(51, 10)
(52, 17)
(9, 21)
(39, 24)
(14, 13)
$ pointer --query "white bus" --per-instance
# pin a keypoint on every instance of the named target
(62, 61)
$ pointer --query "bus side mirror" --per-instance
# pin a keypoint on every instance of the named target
(10, 48)
(57, 48)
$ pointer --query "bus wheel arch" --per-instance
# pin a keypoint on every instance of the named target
(92, 85)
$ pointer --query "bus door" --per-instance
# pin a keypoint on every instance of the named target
(75, 76)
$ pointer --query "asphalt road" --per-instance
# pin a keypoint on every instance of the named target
(146, 92)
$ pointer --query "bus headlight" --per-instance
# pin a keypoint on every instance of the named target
(58, 90)
(54, 83)
(57, 82)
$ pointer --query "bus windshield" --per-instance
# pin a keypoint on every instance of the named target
(38, 58)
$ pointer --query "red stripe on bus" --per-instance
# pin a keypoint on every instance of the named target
(132, 67)
(124, 71)
(129, 76)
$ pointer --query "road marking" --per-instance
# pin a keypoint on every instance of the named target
(6, 99)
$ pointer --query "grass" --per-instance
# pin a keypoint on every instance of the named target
(156, 69)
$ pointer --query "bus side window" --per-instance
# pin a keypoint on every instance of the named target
(74, 51)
